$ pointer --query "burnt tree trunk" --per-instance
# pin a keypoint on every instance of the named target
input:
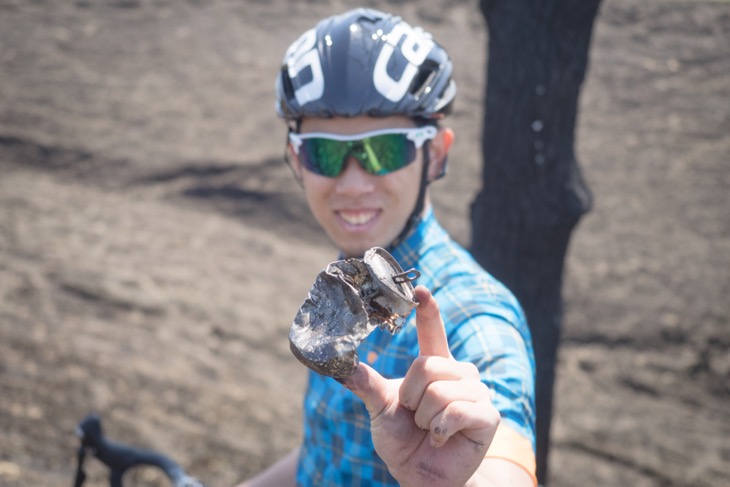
(532, 192)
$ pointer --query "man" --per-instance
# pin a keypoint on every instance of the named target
(363, 93)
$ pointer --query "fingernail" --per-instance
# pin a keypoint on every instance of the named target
(437, 441)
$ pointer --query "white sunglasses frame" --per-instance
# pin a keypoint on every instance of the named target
(418, 135)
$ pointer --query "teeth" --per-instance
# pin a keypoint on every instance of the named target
(357, 218)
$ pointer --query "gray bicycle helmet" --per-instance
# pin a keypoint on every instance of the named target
(365, 62)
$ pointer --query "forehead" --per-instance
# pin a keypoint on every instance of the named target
(354, 125)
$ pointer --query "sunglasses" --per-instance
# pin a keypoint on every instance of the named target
(379, 152)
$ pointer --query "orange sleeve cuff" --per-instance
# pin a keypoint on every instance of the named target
(510, 445)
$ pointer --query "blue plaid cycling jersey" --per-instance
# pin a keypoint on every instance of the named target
(484, 324)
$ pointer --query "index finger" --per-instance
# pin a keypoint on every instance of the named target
(431, 331)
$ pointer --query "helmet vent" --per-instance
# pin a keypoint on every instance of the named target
(423, 79)
(286, 82)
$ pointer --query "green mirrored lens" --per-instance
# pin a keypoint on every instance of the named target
(387, 153)
(378, 155)
(324, 156)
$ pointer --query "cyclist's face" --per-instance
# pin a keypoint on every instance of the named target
(359, 210)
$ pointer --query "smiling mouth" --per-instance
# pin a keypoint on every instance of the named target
(360, 217)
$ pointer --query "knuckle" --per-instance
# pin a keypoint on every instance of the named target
(421, 364)
(453, 414)
(493, 416)
(470, 370)
(438, 392)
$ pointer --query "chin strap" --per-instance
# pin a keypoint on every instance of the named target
(415, 217)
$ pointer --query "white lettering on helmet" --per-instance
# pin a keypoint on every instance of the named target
(416, 46)
(301, 55)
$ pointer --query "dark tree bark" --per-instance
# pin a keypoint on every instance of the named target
(532, 192)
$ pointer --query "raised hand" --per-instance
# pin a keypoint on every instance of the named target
(433, 427)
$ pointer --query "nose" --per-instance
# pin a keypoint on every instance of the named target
(354, 180)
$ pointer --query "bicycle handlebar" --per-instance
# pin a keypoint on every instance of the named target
(119, 457)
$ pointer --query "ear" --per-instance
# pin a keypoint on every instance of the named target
(438, 151)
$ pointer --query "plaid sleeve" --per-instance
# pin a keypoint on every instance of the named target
(488, 329)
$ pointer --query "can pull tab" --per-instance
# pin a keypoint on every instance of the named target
(408, 276)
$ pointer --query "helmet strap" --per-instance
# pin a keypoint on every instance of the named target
(415, 217)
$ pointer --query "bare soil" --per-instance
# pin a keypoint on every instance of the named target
(154, 247)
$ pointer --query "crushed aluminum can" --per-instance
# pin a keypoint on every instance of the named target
(348, 300)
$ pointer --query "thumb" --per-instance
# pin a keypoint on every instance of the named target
(367, 384)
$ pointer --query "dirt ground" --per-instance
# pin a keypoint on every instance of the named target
(154, 247)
